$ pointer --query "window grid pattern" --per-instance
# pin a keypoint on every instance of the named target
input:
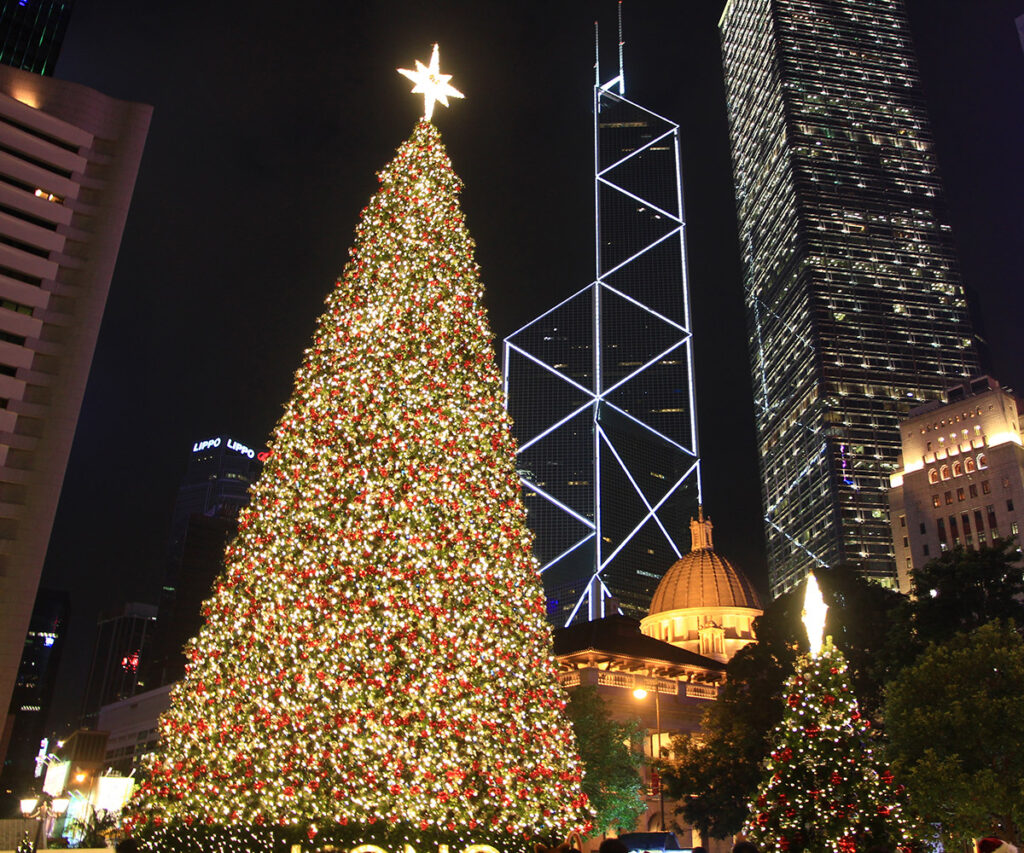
(855, 308)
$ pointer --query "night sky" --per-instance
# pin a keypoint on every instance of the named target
(270, 122)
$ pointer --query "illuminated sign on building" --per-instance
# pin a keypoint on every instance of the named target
(237, 446)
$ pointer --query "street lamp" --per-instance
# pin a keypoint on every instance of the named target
(28, 804)
(640, 694)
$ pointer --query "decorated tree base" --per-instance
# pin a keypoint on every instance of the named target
(391, 838)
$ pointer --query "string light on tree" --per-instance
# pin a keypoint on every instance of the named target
(375, 665)
(824, 788)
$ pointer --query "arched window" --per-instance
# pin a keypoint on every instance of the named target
(958, 469)
(982, 461)
(969, 464)
(944, 472)
(933, 476)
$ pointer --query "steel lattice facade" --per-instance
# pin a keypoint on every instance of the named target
(855, 306)
(600, 387)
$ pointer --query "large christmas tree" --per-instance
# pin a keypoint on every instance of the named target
(375, 664)
(824, 788)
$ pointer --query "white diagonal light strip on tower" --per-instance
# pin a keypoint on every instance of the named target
(676, 230)
(646, 308)
(555, 426)
(799, 545)
(640, 199)
(552, 370)
(576, 609)
(649, 428)
(646, 518)
(586, 595)
(540, 317)
(639, 150)
(557, 502)
(638, 490)
(654, 360)
(565, 553)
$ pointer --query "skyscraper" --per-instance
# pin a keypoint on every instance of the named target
(215, 487)
(33, 690)
(31, 32)
(855, 307)
(68, 160)
(600, 387)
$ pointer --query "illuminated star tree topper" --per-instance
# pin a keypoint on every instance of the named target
(431, 83)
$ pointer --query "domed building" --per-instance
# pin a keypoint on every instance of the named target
(704, 604)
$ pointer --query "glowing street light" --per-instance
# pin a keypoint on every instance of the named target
(639, 693)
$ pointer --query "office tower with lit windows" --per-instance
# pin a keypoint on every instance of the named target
(600, 387)
(31, 32)
(68, 160)
(855, 307)
(33, 691)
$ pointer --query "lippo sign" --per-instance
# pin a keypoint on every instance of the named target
(237, 446)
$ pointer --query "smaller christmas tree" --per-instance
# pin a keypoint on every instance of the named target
(824, 788)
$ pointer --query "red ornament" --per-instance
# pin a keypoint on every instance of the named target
(828, 699)
(794, 700)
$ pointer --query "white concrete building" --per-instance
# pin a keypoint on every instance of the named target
(961, 477)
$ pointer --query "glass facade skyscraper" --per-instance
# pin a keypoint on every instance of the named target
(600, 386)
(855, 307)
(31, 33)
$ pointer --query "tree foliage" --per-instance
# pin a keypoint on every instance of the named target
(375, 657)
(715, 774)
(612, 758)
(822, 786)
(955, 725)
(963, 589)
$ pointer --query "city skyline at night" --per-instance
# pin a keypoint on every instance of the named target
(261, 138)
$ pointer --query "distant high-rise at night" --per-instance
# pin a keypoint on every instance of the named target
(855, 306)
(121, 640)
(215, 487)
(33, 690)
(31, 32)
(600, 387)
(68, 161)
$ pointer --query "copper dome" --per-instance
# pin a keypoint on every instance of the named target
(703, 579)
